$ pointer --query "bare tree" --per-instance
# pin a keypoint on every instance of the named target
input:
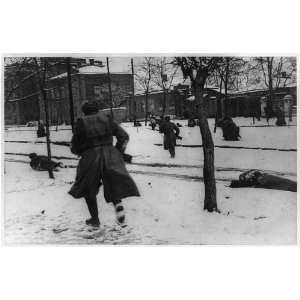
(228, 72)
(198, 69)
(144, 76)
(37, 73)
(275, 72)
(164, 72)
(41, 66)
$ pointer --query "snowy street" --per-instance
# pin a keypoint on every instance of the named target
(170, 209)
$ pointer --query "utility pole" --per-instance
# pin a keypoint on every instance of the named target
(71, 104)
(163, 79)
(41, 82)
(133, 99)
(109, 89)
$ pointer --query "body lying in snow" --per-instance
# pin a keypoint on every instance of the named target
(42, 163)
(259, 179)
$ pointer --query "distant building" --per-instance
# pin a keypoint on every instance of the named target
(253, 102)
(155, 104)
(21, 100)
(89, 83)
(179, 102)
(21, 90)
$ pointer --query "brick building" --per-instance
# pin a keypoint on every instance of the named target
(20, 104)
(21, 89)
(89, 83)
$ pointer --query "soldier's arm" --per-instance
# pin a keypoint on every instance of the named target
(121, 135)
(176, 130)
(77, 138)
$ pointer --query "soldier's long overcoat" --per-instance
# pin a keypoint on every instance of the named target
(170, 130)
(101, 162)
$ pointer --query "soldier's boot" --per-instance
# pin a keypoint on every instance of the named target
(93, 210)
(93, 222)
(172, 152)
(120, 213)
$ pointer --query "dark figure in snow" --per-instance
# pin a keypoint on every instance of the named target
(280, 117)
(191, 123)
(259, 179)
(41, 130)
(101, 163)
(42, 163)
(231, 132)
(137, 124)
(153, 122)
(171, 132)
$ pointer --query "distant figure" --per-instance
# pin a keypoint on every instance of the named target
(42, 163)
(259, 179)
(191, 122)
(171, 132)
(136, 123)
(178, 125)
(231, 132)
(41, 130)
(280, 117)
(153, 122)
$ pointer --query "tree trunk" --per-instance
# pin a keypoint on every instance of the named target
(270, 77)
(218, 104)
(227, 106)
(164, 103)
(70, 92)
(146, 108)
(109, 89)
(210, 198)
(41, 82)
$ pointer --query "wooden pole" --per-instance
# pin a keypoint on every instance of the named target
(71, 103)
(44, 97)
(218, 104)
(132, 89)
(109, 88)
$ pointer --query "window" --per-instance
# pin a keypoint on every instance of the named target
(62, 92)
(142, 107)
(97, 92)
(56, 94)
(52, 94)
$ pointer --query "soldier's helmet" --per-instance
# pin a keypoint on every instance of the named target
(32, 155)
(89, 108)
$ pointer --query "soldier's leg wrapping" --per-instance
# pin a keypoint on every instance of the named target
(120, 212)
(172, 150)
(91, 202)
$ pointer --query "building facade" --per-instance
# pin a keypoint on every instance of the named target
(253, 103)
(90, 83)
(21, 87)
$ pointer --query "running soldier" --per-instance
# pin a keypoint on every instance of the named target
(171, 132)
(101, 163)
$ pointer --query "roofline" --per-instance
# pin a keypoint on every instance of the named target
(64, 75)
(260, 90)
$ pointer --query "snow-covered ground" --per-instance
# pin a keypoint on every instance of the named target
(170, 209)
